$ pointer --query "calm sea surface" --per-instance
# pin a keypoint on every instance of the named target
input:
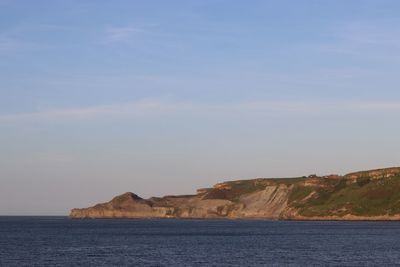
(58, 241)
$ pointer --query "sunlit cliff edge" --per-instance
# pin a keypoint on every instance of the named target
(364, 195)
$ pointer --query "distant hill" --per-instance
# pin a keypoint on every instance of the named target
(364, 195)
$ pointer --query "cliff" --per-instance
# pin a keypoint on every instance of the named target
(365, 195)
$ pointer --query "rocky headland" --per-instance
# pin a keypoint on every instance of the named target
(364, 195)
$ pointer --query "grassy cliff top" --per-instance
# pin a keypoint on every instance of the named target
(366, 193)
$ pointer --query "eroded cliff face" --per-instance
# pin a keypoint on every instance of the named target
(368, 195)
(266, 203)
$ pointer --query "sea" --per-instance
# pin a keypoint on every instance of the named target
(59, 241)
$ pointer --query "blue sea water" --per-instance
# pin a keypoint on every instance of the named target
(59, 241)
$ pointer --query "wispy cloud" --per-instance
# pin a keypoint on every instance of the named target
(366, 39)
(9, 44)
(316, 107)
(121, 34)
(52, 157)
(371, 33)
(145, 108)
(15, 38)
(138, 108)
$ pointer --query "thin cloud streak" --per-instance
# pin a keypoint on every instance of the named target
(363, 39)
(121, 34)
(158, 108)
(14, 38)
(144, 107)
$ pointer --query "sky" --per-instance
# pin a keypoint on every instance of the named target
(98, 98)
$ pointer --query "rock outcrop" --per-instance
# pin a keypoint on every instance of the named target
(366, 195)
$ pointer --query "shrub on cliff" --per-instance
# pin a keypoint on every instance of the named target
(363, 180)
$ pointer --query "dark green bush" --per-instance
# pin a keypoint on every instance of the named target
(340, 185)
(363, 180)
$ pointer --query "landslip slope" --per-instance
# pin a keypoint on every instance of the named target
(365, 195)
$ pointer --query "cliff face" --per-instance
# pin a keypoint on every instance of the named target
(367, 195)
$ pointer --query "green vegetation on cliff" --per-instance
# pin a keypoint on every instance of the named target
(361, 197)
(365, 193)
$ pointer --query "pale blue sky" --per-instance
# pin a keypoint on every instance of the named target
(163, 97)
